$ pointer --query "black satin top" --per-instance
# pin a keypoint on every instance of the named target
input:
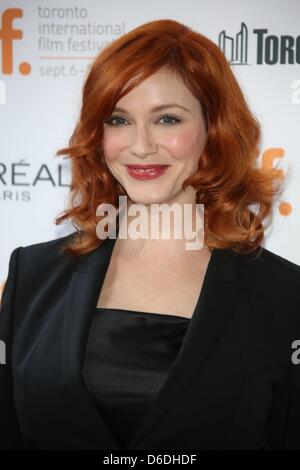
(127, 359)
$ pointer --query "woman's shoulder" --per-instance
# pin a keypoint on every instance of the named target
(272, 279)
(31, 265)
(47, 248)
(265, 264)
(44, 255)
(53, 244)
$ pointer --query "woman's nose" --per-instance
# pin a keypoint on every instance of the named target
(143, 141)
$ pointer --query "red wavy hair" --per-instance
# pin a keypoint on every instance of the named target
(228, 178)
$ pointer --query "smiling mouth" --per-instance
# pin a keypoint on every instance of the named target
(146, 168)
(146, 172)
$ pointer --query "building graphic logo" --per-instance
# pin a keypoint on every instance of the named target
(8, 34)
(270, 49)
(235, 49)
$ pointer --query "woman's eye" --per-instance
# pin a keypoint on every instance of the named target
(167, 116)
(114, 118)
(116, 121)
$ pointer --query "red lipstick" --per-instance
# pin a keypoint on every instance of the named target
(146, 172)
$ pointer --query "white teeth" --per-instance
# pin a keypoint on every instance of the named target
(143, 171)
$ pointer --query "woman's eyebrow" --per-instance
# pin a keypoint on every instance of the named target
(157, 108)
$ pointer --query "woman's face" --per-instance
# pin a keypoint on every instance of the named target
(136, 133)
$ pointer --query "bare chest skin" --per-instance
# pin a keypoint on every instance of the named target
(153, 285)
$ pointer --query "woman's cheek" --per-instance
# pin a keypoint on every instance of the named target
(112, 146)
(183, 144)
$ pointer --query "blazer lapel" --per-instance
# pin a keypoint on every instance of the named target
(213, 308)
(81, 301)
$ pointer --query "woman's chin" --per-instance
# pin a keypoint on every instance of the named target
(146, 200)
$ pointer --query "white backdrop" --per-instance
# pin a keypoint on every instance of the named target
(41, 79)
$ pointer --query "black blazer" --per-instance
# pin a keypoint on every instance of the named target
(233, 384)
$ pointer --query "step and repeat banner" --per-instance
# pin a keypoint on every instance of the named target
(46, 48)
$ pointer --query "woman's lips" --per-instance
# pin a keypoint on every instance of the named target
(146, 172)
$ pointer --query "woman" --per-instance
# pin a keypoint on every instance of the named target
(140, 343)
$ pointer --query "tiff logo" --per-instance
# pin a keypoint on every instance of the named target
(235, 49)
(7, 37)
